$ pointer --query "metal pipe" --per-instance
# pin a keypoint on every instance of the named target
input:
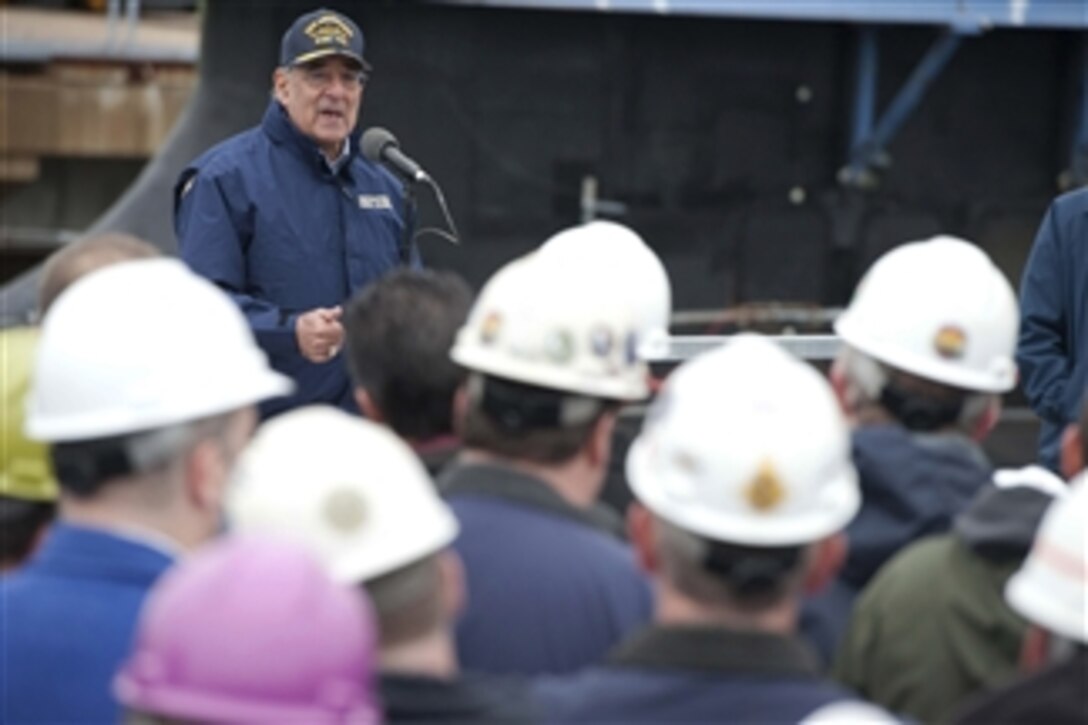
(806, 347)
(132, 20)
(910, 95)
(758, 315)
(867, 70)
(866, 152)
(113, 12)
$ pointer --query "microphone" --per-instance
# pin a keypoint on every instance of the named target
(380, 146)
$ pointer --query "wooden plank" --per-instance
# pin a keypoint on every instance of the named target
(92, 110)
(19, 169)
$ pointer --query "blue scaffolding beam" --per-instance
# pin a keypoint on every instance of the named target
(967, 15)
(868, 142)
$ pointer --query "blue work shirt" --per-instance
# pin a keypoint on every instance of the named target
(1052, 351)
(912, 485)
(265, 217)
(67, 624)
(697, 674)
(549, 591)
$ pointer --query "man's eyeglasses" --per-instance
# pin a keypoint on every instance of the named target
(320, 78)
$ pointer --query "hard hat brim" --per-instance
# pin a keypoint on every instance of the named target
(836, 508)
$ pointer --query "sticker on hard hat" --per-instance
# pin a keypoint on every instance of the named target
(765, 491)
(559, 347)
(601, 341)
(491, 327)
(950, 342)
(345, 510)
(630, 348)
(686, 462)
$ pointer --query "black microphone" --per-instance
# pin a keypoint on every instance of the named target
(380, 146)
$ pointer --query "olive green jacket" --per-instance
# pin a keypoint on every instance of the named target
(932, 629)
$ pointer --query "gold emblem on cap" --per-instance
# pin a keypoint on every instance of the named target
(950, 342)
(329, 29)
(345, 510)
(765, 491)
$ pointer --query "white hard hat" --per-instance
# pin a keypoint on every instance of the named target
(346, 488)
(616, 256)
(141, 345)
(1051, 588)
(534, 325)
(849, 712)
(747, 445)
(1034, 477)
(939, 309)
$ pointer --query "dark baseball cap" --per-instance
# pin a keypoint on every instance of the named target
(320, 34)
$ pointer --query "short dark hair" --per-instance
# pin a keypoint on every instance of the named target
(521, 421)
(83, 468)
(399, 331)
(20, 524)
(721, 574)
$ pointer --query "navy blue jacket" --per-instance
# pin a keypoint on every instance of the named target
(67, 625)
(1053, 348)
(912, 485)
(696, 674)
(548, 590)
(263, 216)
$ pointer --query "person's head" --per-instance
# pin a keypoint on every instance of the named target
(929, 338)
(252, 630)
(85, 256)
(357, 496)
(144, 384)
(28, 490)
(321, 77)
(599, 249)
(744, 482)
(1050, 589)
(551, 359)
(399, 331)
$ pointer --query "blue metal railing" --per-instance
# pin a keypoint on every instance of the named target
(963, 15)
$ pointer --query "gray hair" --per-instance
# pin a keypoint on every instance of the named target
(865, 378)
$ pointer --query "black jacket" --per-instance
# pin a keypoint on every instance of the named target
(1055, 696)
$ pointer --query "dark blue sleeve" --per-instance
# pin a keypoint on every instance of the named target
(1042, 351)
(213, 237)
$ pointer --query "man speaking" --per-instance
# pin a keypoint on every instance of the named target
(289, 218)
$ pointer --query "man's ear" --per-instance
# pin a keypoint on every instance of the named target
(1072, 454)
(366, 404)
(837, 377)
(826, 559)
(1035, 649)
(280, 87)
(988, 420)
(460, 409)
(599, 445)
(642, 533)
(205, 476)
(454, 593)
